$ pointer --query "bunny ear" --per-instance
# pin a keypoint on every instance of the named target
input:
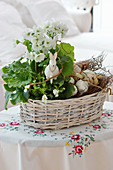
(51, 56)
(55, 55)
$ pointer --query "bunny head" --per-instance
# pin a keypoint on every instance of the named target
(52, 62)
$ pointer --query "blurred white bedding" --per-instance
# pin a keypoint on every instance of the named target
(14, 21)
(11, 28)
(17, 15)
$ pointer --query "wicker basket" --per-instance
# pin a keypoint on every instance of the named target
(58, 114)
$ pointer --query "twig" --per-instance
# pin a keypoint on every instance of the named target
(92, 83)
(63, 47)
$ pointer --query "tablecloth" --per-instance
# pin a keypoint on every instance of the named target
(85, 147)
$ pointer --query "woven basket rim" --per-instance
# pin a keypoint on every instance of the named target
(59, 114)
(70, 99)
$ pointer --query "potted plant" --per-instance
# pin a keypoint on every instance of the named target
(47, 80)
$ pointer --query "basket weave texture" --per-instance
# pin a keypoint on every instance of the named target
(58, 114)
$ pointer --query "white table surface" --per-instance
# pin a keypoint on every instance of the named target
(52, 150)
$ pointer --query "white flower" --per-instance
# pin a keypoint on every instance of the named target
(59, 36)
(55, 27)
(38, 30)
(40, 57)
(44, 98)
(48, 42)
(27, 34)
(26, 88)
(14, 92)
(23, 60)
(54, 42)
(55, 92)
(36, 47)
(30, 56)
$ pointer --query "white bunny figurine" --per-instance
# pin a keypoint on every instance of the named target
(52, 69)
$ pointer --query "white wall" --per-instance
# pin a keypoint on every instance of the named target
(103, 16)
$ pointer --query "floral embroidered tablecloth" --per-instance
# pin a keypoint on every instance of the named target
(13, 130)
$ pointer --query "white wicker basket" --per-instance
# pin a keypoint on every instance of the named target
(58, 114)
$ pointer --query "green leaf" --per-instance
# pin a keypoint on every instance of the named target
(17, 41)
(59, 81)
(7, 97)
(19, 96)
(17, 66)
(19, 80)
(68, 65)
(32, 65)
(44, 62)
(7, 88)
(17, 74)
(66, 50)
(28, 44)
(67, 93)
(5, 69)
(92, 139)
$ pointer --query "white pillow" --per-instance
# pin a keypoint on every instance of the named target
(82, 19)
(9, 14)
(24, 13)
(43, 10)
(11, 28)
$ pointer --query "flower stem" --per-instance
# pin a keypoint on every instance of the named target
(36, 67)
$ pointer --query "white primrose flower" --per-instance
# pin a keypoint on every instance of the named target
(27, 34)
(53, 28)
(44, 98)
(23, 60)
(26, 88)
(14, 92)
(36, 47)
(44, 49)
(40, 57)
(30, 56)
(38, 30)
(48, 42)
(59, 37)
(54, 42)
(55, 92)
(38, 39)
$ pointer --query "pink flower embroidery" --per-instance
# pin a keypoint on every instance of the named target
(2, 124)
(106, 114)
(14, 123)
(78, 148)
(97, 126)
(75, 137)
(39, 131)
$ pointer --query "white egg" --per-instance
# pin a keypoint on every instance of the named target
(72, 81)
(82, 86)
(75, 92)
